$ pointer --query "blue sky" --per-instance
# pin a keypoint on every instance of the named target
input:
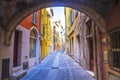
(59, 14)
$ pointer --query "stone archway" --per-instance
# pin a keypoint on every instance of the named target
(87, 7)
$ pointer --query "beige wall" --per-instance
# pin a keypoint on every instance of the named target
(4, 51)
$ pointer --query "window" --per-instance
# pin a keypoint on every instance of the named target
(114, 55)
(71, 18)
(32, 44)
(34, 17)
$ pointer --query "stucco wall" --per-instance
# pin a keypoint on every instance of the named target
(25, 44)
(25, 47)
(5, 51)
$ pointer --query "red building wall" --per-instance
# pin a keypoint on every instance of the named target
(27, 22)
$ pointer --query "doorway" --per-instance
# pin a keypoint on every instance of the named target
(17, 48)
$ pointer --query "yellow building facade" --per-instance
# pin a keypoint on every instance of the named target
(45, 33)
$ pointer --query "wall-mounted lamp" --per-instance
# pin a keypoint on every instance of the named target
(105, 53)
(104, 40)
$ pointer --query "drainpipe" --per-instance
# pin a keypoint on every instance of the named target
(94, 51)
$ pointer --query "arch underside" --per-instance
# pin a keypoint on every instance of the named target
(89, 10)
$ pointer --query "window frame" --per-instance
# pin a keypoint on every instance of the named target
(33, 38)
(114, 48)
(34, 18)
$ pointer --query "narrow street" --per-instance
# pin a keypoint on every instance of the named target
(57, 66)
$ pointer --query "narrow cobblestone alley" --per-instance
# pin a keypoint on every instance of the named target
(57, 66)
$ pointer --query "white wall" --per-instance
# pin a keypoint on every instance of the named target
(25, 44)
(7, 51)
(25, 47)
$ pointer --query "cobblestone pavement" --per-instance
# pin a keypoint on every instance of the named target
(57, 66)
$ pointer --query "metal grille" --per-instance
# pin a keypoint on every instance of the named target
(114, 55)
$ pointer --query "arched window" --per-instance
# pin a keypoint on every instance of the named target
(32, 43)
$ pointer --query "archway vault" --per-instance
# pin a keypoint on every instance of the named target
(96, 12)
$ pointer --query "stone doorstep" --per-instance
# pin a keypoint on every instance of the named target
(91, 73)
(18, 75)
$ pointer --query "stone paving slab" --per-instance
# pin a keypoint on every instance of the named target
(57, 66)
